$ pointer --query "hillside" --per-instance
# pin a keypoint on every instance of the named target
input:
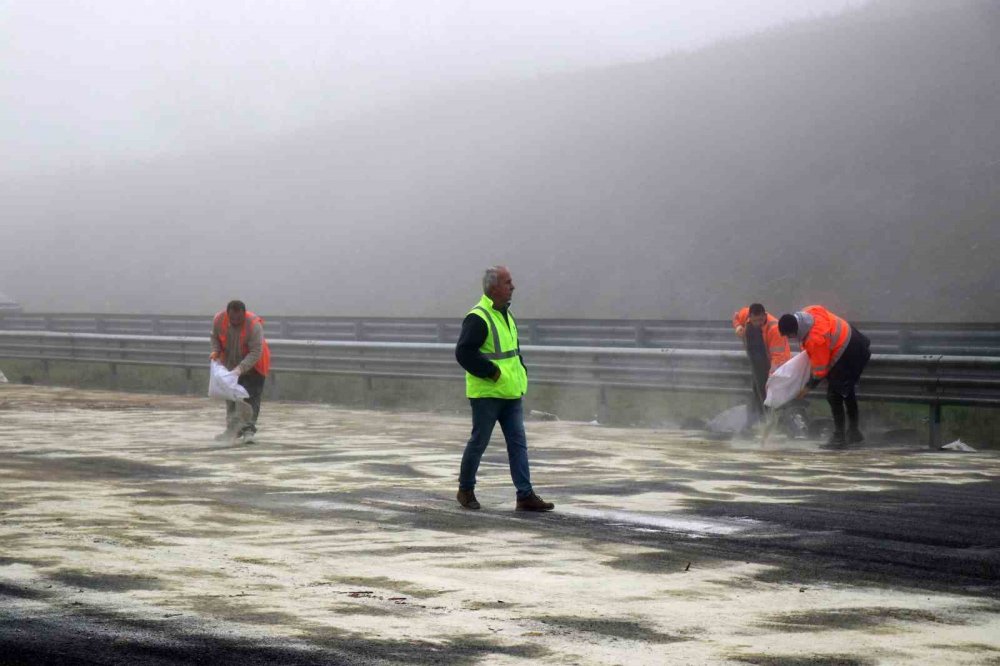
(853, 161)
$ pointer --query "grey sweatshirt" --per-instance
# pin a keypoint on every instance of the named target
(232, 355)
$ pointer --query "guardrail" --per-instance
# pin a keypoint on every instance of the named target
(951, 339)
(934, 380)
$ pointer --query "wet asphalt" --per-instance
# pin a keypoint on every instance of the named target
(129, 536)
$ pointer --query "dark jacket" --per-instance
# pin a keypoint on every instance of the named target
(472, 337)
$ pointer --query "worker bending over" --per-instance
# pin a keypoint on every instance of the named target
(766, 348)
(838, 353)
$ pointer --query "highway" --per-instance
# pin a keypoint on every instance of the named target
(129, 536)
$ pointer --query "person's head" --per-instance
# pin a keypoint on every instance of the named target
(237, 311)
(758, 315)
(498, 285)
(788, 326)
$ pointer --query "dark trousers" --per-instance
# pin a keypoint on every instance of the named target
(486, 412)
(759, 370)
(843, 377)
(242, 416)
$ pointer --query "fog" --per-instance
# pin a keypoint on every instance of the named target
(89, 82)
(625, 159)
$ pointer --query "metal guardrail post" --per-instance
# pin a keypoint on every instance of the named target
(272, 386)
(367, 386)
(640, 334)
(114, 379)
(368, 391)
(533, 337)
(905, 341)
(603, 413)
(934, 415)
(45, 363)
(934, 426)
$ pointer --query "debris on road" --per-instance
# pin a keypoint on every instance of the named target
(734, 419)
(957, 445)
(539, 415)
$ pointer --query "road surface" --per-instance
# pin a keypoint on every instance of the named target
(129, 536)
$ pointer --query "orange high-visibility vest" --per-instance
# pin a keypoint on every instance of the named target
(777, 344)
(826, 341)
(263, 365)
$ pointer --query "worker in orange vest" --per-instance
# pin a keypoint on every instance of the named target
(765, 346)
(838, 352)
(238, 343)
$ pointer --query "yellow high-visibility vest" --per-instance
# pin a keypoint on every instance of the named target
(500, 347)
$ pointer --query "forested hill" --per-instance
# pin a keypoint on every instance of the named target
(852, 161)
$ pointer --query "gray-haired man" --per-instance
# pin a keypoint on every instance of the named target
(495, 381)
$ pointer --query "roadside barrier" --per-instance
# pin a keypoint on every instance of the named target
(933, 380)
(951, 339)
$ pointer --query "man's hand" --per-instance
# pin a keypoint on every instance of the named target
(214, 356)
(802, 393)
(496, 375)
(740, 330)
(238, 370)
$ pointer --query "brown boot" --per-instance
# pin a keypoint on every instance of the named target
(533, 503)
(467, 498)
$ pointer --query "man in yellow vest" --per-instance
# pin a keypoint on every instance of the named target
(495, 381)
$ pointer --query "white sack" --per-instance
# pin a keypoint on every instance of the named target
(957, 445)
(787, 381)
(222, 384)
(3, 378)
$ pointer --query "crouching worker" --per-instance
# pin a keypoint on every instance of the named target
(838, 353)
(495, 381)
(765, 347)
(238, 343)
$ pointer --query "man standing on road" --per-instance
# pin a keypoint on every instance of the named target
(838, 353)
(238, 343)
(765, 347)
(495, 381)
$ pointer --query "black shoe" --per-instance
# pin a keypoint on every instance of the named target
(836, 441)
(854, 436)
(467, 498)
(533, 503)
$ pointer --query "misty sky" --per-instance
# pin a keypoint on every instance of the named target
(153, 148)
(83, 83)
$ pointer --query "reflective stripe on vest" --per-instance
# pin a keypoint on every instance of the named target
(496, 354)
(500, 347)
(836, 336)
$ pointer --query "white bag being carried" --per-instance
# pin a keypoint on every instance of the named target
(787, 381)
(222, 384)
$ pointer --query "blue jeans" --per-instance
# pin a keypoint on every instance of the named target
(485, 413)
